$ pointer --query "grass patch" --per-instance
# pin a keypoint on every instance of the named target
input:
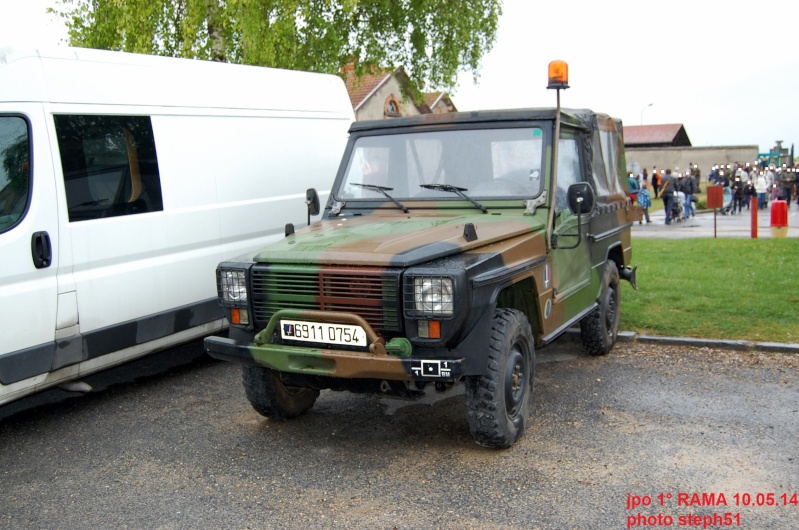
(739, 289)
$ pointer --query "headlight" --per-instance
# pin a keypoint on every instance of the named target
(232, 286)
(433, 296)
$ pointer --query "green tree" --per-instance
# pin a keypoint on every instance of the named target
(433, 39)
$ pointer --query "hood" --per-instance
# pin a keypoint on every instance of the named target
(396, 240)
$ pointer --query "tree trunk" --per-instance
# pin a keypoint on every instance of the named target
(215, 38)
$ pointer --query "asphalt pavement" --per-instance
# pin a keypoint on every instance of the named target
(710, 223)
(183, 449)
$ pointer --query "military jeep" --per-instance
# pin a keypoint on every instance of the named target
(451, 248)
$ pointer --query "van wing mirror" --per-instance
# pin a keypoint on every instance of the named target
(581, 198)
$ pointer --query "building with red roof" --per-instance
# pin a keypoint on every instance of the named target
(380, 94)
(667, 146)
(667, 135)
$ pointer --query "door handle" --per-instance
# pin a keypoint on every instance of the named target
(41, 250)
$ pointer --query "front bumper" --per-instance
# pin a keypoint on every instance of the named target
(392, 361)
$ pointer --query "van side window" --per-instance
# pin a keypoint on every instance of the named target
(110, 165)
(15, 180)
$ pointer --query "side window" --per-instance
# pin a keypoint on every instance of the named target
(15, 180)
(612, 147)
(569, 171)
(110, 165)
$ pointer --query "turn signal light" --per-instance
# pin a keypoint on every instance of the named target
(239, 316)
(429, 329)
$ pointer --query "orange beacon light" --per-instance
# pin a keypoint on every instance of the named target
(558, 74)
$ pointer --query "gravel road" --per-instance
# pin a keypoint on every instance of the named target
(182, 448)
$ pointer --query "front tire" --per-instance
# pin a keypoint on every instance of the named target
(270, 397)
(500, 401)
(600, 328)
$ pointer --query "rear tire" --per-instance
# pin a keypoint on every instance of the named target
(500, 401)
(600, 328)
(271, 398)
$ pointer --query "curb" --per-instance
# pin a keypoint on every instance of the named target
(738, 345)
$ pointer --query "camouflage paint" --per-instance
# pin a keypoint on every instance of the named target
(388, 238)
(376, 363)
(511, 249)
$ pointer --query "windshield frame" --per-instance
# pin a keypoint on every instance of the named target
(510, 196)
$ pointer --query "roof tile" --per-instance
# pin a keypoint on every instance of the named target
(359, 89)
(651, 134)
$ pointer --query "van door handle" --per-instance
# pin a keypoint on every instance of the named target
(41, 250)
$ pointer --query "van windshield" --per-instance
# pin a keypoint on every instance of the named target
(487, 163)
(14, 170)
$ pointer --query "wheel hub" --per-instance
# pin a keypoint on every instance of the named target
(515, 382)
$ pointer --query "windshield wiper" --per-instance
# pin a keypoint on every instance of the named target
(455, 190)
(384, 190)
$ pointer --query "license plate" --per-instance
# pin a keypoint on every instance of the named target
(323, 333)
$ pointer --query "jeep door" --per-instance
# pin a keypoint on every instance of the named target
(571, 266)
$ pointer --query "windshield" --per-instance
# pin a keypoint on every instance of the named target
(486, 163)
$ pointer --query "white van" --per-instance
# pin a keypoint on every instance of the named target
(124, 180)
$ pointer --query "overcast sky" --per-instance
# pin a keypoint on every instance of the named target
(727, 70)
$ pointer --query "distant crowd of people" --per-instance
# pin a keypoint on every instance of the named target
(768, 183)
(678, 190)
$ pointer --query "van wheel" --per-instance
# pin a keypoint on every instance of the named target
(500, 401)
(599, 329)
(271, 398)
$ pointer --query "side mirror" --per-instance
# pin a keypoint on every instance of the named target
(581, 198)
(312, 201)
(581, 201)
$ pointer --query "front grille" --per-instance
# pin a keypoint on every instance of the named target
(371, 293)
